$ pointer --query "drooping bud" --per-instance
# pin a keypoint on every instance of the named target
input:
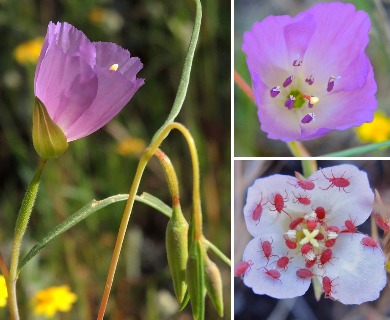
(196, 279)
(48, 138)
(213, 283)
(177, 251)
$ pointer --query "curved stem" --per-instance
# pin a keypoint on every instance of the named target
(20, 229)
(185, 77)
(148, 153)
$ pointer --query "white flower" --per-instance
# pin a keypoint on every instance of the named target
(318, 235)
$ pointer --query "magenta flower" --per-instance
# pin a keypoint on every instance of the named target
(308, 228)
(83, 84)
(310, 74)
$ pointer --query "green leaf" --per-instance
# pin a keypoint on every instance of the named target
(86, 211)
(359, 150)
(155, 203)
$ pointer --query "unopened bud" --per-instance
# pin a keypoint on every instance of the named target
(177, 251)
(48, 138)
(213, 283)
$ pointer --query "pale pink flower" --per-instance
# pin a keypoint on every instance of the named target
(307, 228)
(83, 84)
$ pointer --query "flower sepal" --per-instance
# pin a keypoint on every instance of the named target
(48, 138)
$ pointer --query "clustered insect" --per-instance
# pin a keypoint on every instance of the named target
(310, 234)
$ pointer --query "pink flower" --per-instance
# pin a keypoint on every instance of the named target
(83, 84)
(310, 74)
(307, 228)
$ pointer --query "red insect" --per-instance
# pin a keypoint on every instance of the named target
(327, 285)
(311, 224)
(369, 242)
(321, 213)
(283, 262)
(339, 182)
(290, 244)
(382, 223)
(304, 273)
(305, 200)
(256, 214)
(273, 273)
(306, 248)
(279, 203)
(320, 236)
(242, 267)
(330, 243)
(326, 255)
(350, 225)
(266, 246)
(310, 263)
(306, 184)
(295, 223)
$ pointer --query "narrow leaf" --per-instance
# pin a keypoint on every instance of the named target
(86, 211)
(359, 150)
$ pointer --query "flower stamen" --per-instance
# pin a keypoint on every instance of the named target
(288, 81)
(289, 104)
(309, 80)
(275, 91)
(308, 118)
(114, 67)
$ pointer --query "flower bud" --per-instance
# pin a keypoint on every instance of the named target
(177, 251)
(196, 280)
(213, 283)
(48, 138)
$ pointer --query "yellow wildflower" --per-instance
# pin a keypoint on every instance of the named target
(53, 299)
(29, 51)
(376, 131)
(3, 292)
(130, 146)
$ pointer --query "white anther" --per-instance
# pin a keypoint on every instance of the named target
(291, 235)
(332, 235)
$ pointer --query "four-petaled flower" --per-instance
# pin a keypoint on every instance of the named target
(83, 84)
(307, 228)
(310, 74)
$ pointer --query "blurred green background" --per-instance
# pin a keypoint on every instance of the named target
(104, 163)
(249, 139)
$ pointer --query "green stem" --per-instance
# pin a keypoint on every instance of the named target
(309, 167)
(185, 77)
(298, 149)
(218, 252)
(20, 229)
(148, 153)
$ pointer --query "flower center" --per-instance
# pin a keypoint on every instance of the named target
(310, 237)
(296, 100)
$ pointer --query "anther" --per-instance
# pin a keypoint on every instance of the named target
(291, 235)
(288, 81)
(289, 104)
(297, 63)
(308, 118)
(114, 67)
(275, 91)
(331, 84)
(309, 80)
